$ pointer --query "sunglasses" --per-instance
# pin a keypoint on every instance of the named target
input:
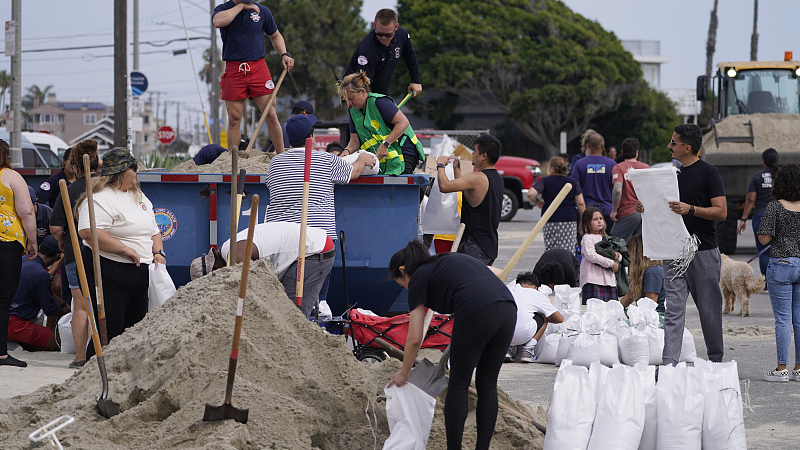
(384, 34)
(135, 167)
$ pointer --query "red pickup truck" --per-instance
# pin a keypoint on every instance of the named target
(519, 175)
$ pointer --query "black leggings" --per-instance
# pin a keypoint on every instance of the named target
(124, 293)
(480, 339)
(10, 267)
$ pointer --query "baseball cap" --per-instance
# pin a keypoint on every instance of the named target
(51, 244)
(305, 106)
(33, 195)
(117, 160)
(299, 127)
(246, 1)
(201, 266)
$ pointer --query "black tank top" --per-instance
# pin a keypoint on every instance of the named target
(482, 221)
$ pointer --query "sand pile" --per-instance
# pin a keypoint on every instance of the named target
(303, 387)
(258, 162)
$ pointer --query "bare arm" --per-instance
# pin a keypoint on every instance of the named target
(764, 239)
(717, 211)
(749, 202)
(556, 317)
(280, 47)
(580, 203)
(353, 145)
(364, 159)
(616, 195)
(224, 18)
(413, 343)
(474, 180)
(57, 232)
(158, 245)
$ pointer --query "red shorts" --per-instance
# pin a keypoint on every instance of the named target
(243, 80)
(27, 332)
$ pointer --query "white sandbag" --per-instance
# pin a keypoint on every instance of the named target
(563, 346)
(598, 373)
(583, 350)
(546, 349)
(655, 343)
(567, 299)
(161, 286)
(634, 347)
(409, 411)
(596, 306)
(441, 211)
(592, 322)
(613, 310)
(647, 377)
(352, 157)
(619, 418)
(680, 408)
(572, 410)
(688, 350)
(723, 421)
(65, 331)
(607, 349)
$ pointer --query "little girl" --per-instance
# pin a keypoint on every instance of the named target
(597, 272)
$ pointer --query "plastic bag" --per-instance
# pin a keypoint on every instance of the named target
(65, 331)
(161, 286)
(546, 349)
(607, 349)
(567, 299)
(441, 212)
(325, 311)
(723, 421)
(688, 350)
(564, 342)
(572, 410)
(352, 157)
(619, 419)
(634, 347)
(583, 350)
(409, 411)
(647, 377)
(680, 408)
(598, 373)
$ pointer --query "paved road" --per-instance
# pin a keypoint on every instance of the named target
(774, 421)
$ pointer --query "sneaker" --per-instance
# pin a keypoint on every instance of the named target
(527, 355)
(794, 375)
(77, 364)
(777, 375)
(509, 355)
(11, 361)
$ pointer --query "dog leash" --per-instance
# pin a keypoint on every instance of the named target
(759, 253)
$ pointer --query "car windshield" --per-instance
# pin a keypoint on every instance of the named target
(764, 91)
(50, 158)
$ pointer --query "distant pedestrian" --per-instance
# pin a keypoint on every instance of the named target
(584, 150)
(628, 222)
(47, 192)
(561, 230)
(594, 173)
(759, 194)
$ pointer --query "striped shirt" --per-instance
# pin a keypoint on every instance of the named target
(285, 184)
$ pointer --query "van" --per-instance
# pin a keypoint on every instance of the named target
(32, 156)
(47, 141)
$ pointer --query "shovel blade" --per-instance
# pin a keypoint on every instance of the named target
(224, 412)
(107, 408)
(425, 376)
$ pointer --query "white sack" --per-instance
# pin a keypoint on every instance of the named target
(546, 349)
(607, 349)
(598, 374)
(680, 408)
(161, 286)
(583, 350)
(352, 157)
(647, 377)
(409, 411)
(634, 347)
(723, 420)
(688, 350)
(619, 419)
(663, 233)
(596, 306)
(441, 211)
(563, 346)
(65, 331)
(655, 342)
(569, 423)
(567, 299)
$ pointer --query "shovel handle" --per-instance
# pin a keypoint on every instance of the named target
(301, 252)
(263, 117)
(98, 277)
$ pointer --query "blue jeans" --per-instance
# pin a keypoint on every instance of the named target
(783, 281)
(764, 258)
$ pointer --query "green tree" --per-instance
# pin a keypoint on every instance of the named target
(547, 68)
(5, 83)
(34, 92)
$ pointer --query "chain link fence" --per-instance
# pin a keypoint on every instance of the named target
(466, 138)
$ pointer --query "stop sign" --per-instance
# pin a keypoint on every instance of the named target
(165, 135)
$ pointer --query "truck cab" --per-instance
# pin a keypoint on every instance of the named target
(519, 175)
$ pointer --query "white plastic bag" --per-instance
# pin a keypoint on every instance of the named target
(547, 348)
(598, 373)
(441, 212)
(65, 331)
(634, 347)
(352, 157)
(569, 423)
(583, 351)
(564, 343)
(620, 415)
(688, 350)
(723, 421)
(161, 286)
(655, 342)
(409, 411)
(567, 299)
(607, 349)
(325, 310)
(647, 377)
(680, 408)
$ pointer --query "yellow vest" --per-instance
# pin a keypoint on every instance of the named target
(10, 225)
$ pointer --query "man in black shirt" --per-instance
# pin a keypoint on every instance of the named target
(48, 191)
(702, 201)
(483, 198)
(378, 53)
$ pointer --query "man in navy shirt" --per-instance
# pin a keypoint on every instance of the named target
(594, 173)
(242, 24)
(378, 53)
(33, 294)
(48, 191)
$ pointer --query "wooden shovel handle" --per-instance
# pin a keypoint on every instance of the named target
(261, 120)
(98, 276)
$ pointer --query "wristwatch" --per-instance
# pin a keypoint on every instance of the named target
(691, 210)
(285, 54)
(160, 252)
(440, 165)
(386, 143)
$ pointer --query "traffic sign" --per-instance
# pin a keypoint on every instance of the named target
(165, 135)
(138, 83)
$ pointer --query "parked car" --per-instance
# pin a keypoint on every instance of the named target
(32, 156)
(519, 175)
(47, 141)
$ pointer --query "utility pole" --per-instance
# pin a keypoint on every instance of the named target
(16, 86)
(213, 102)
(136, 35)
(754, 36)
(120, 73)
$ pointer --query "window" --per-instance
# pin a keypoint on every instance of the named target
(46, 118)
(61, 118)
(35, 118)
(89, 119)
(146, 119)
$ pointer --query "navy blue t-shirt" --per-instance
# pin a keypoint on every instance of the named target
(549, 187)
(388, 110)
(48, 192)
(242, 39)
(455, 283)
(208, 154)
(34, 291)
(761, 184)
(593, 172)
(653, 281)
(43, 222)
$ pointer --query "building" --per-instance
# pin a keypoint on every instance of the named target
(648, 54)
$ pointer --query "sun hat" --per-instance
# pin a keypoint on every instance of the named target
(117, 160)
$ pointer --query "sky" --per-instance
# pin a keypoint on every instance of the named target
(680, 25)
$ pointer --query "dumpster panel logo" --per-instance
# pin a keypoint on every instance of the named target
(167, 223)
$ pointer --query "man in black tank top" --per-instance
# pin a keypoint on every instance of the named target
(483, 198)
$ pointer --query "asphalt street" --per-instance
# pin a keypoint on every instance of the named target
(772, 420)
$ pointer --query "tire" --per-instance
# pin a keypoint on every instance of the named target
(726, 233)
(371, 355)
(509, 207)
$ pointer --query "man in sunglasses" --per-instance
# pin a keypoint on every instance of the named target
(378, 53)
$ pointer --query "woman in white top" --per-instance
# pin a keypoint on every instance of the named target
(128, 237)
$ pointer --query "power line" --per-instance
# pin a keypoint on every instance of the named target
(85, 47)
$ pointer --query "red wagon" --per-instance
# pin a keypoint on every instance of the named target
(364, 329)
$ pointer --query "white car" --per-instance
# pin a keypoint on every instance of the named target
(47, 141)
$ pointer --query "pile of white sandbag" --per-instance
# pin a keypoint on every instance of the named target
(603, 333)
(624, 408)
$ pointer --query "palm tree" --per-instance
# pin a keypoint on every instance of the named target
(5, 82)
(34, 92)
(711, 43)
(754, 36)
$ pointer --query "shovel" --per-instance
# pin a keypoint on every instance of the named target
(98, 279)
(235, 216)
(105, 406)
(226, 410)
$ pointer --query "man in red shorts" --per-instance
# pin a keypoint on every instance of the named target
(34, 293)
(241, 24)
